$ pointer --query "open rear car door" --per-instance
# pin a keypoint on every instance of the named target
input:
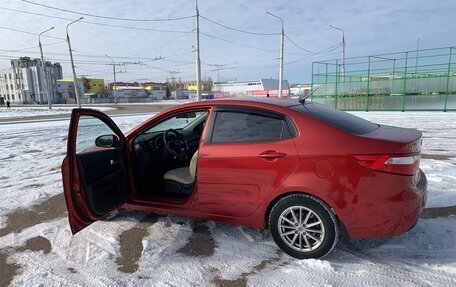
(94, 171)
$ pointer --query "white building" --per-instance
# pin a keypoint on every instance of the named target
(300, 90)
(260, 88)
(24, 82)
(140, 94)
(65, 90)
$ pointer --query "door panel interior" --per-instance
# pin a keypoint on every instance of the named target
(104, 178)
(95, 174)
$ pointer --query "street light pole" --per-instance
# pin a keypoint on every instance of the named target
(43, 71)
(76, 90)
(282, 34)
(115, 87)
(416, 58)
(198, 60)
(343, 49)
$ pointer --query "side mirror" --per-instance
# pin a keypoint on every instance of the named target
(107, 141)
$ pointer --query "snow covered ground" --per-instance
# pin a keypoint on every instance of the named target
(137, 249)
(19, 112)
(162, 102)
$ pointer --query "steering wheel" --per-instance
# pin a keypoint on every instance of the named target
(175, 143)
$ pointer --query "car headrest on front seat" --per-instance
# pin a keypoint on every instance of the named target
(192, 166)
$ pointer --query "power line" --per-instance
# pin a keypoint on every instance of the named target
(107, 17)
(94, 23)
(248, 46)
(332, 47)
(236, 43)
(30, 33)
(81, 54)
(83, 57)
(239, 30)
(32, 47)
(325, 51)
(166, 43)
(297, 46)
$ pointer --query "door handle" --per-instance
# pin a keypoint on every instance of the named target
(272, 154)
(113, 162)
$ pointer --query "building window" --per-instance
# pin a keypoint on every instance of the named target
(12, 97)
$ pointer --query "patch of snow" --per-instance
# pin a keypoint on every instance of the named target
(30, 159)
(19, 112)
(3, 222)
(31, 155)
(162, 102)
(423, 256)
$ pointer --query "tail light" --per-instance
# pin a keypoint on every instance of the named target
(404, 164)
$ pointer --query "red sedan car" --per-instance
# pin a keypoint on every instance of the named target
(305, 171)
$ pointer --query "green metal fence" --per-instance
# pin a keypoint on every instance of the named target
(406, 81)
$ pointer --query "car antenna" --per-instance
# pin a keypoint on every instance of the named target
(302, 100)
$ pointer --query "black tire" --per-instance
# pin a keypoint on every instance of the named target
(328, 228)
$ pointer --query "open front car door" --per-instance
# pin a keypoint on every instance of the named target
(95, 175)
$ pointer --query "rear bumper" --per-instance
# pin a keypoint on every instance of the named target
(419, 204)
(395, 215)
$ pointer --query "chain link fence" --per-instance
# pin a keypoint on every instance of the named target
(407, 81)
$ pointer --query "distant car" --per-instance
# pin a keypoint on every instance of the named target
(307, 172)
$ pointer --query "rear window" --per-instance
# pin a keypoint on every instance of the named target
(339, 119)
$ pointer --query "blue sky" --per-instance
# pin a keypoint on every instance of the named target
(370, 27)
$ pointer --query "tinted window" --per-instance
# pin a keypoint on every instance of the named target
(246, 127)
(339, 119)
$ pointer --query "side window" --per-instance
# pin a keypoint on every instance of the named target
(89, 129)
(247, 127)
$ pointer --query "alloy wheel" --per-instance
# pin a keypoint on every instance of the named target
(301, 228)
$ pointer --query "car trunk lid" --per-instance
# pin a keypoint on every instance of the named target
(403, 155)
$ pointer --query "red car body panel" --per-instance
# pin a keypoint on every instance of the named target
(235, 185)
(232, 184)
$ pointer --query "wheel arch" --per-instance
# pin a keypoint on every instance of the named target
(342, 229)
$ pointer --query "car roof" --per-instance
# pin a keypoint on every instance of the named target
(249, 101)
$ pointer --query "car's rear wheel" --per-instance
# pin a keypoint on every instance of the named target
(303, 226)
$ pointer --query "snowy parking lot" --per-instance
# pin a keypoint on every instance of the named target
(140, 249)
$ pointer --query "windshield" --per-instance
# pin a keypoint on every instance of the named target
(177, 122)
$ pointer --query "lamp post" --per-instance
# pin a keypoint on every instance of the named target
(343, 48)
(114, 88)
(281, 54)
(76, 90)
(43, 71)
(416, 58)
(198, 59)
